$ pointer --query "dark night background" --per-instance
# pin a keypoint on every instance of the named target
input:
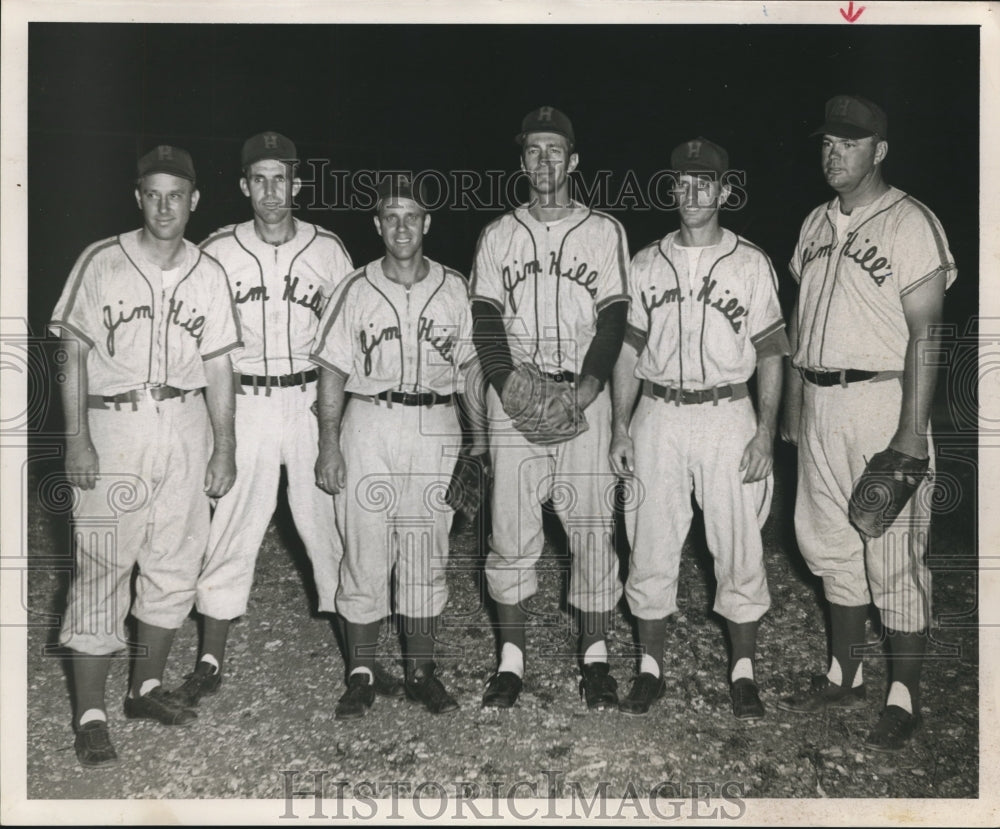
(422, 97)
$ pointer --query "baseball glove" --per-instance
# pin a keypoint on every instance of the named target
(888, 482)
(544, 410)
(468, 485)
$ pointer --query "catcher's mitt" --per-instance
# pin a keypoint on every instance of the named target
(888, 482)
(468, 485)
(544, 410)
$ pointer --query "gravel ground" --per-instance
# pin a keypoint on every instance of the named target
(274, 713)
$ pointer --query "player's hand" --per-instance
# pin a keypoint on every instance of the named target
(221, 472)
(82, 466)
(758, 457)
(791, 418)
(622, 456)
(331, 470)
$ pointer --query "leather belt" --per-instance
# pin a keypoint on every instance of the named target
(850, 375)
(300, 378)
(136, 396)
(687, 397)
(408, 398)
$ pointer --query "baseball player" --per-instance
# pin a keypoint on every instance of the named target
(391, 357)
(148, 403)
(872, 267)
(281, 272)
(549, 287)
(704, 316)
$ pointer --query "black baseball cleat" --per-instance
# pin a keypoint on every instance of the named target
(423, 687)
(93, 745)
(645, 690)
(387, 685)
(823, 694)
(502, 690)
(203, 681)
(598, 687)
(746, 700)
(159, 705)
(894, 729)
(357, 699)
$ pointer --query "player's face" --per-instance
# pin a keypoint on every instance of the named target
(166, 203)
(849, 162)
(698, 199)
(546, 158)
(402, 224)
(270, 186)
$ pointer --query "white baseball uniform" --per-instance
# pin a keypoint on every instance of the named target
(145, 328)
(850, 317)
(279, 291)
(550, 281)
(699, 318)
(382, 336)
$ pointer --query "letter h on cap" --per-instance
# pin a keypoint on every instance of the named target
(545, 114)
(165, 153)
(694, 149)
(270, 140)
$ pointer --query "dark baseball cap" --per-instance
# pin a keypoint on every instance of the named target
(166, 159)
(699, 155)
(400, 186)
(546, 119)
(267, 145)
(851, 116)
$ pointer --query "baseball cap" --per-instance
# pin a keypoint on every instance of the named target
(546, 119)
(400, 186)
(267, 145)
(699, 155)
(851, 116)
(166, 159)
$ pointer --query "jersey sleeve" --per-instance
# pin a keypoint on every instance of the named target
(920, 249)
(486, 282)
(637, 323)
(338, 265)
(764, 318)
(79, 313)
(333, 347)
(612, 277)
(795, 265)
(222, 332)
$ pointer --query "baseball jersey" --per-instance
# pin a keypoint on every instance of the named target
(381, 336)
(280, 291)
(701, 329)
(140, 331)
(850, 313)
(549, 280)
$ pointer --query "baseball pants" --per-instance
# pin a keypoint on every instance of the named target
(148, 509)
(577, 477)
(392, 513)
(683, 447)
(271, 430)
(841, 428)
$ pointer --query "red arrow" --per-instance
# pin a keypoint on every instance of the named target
(850, 15)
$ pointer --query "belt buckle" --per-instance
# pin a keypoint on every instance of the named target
(843, 378)
(432, 398)
(715, 395)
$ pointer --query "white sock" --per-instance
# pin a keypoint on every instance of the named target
(148, 685)
(647, 665)
(511, 659)
(371, 676)
(211, 660)
(836, 675)
(899, 695)
(92, 714)
(743, 669)
(597, 652)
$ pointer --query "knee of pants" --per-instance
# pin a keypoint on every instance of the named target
(162, 609)
(510, 583)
